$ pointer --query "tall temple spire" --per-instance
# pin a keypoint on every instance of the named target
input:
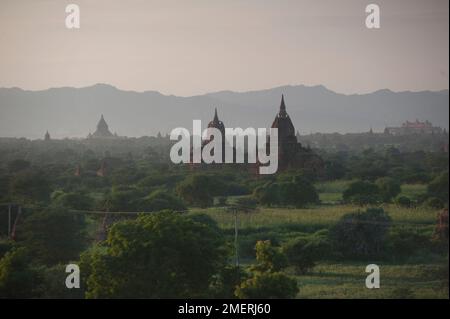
(216, 122)
(283, 112)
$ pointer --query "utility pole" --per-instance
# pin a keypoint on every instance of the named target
(16, 220)
(9, 221)
(236, 236)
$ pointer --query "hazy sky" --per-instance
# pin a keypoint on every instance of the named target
(190, 47)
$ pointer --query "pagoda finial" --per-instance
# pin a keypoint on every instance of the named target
(282, 106)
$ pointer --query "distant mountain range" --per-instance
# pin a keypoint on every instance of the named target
(74, 112)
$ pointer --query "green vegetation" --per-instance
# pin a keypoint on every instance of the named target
(313, 218)
(164, 255)
(346, 280)
(143, 227)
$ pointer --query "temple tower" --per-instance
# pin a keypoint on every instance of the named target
(102, 130)
(288, 145)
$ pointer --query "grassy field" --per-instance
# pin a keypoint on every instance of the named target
(331, 192)
(416, 278)
(310, 219)
(348, 281)
(413, 190)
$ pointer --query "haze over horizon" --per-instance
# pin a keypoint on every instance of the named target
(194, 47)
(220, 91)
(74, 112)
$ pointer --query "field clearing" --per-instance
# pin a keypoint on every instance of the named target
(413, 190)
(331, 192)
(322, 216)
(342, 281)
(418, 277)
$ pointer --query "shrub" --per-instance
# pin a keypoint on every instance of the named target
(76, 201)
(438, 187)
(440, 234)
(221, 201)
(30, 186)
(303, 252)
(53, 286)
(53, 236)
(361, 234)
(5, 246)
(362, 193)
(227, 281)
(198, 190)
(402, 293)
(267, 194)
(246, 204)
(18, 165)
(405, 242)
(403, 201)
(434, 202)
(123, 199)
(414, 178)
(389, 188)
(298, 192)
(268, 257)
(160, 200)
(17, 278)
(268, 285)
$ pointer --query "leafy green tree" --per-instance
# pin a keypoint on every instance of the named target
(362, 193)
(304, 252)
(416, 177)
(227, 281)
(434, 203)
(361, 234)
(268, 257)
(74, 200)
(221, 201)
(5, 246)
(17, 165)
(30, 186)
(162, 255)
(53, 236)
(160, 200)
(438, 187)
(268, 285)
(290, 191)
(246, 204)
(53, 284)
(405, 242)
(403, 201)
(299, 192)
(4, 188)
(205, 219)
(267, 194)
(17, 278)
(389, 188)
(123, 199)
(334, 169)
(197, 190)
